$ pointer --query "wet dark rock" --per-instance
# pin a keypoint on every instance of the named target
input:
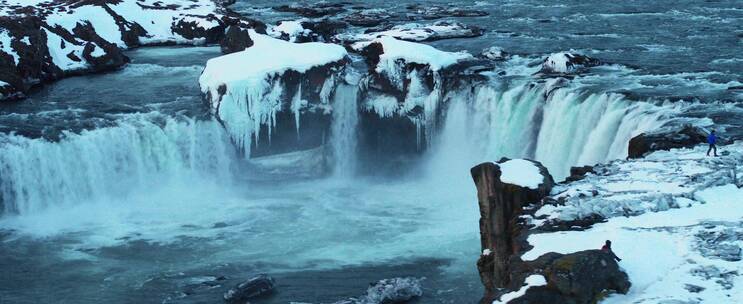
(313, 10)
(260, 285)
(665, 139)
(578, 173)
(369, 18)
(190, 29)
(235, 39)
(324, 30)
(501, 228)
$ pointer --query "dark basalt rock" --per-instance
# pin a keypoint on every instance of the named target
(260, 285)
(34, 64)
(369, 18)
(324, 30)
(501, 228)
(312, 11)
(112, 58)
(578, 173)
(235, 39)
(191, 29)
(684, 137)
(578, 278)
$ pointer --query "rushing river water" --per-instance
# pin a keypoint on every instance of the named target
(120, 187)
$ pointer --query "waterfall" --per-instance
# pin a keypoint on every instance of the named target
(138, 154)
(344, 129)
(559, 127)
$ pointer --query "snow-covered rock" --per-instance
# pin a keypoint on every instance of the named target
(522, 173)
(43, 40)
(566, 63)
(254, 287)
(249, 90)
(494, 53)
(290, 30)
(680, 255)
(416, 32)
(408, 71)
(660, 181)
(395, 290)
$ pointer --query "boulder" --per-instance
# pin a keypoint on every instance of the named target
(582, 277)
(686, 136)
(389, 291)
(578, 173)
(494, 53)
(235, 39)
(504, 188)
(255, 287)
(567, 63)
(316, 10)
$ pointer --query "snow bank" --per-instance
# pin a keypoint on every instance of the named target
(417, 32)
(244, 88)
(521, 172)
(289, 30)
(658, 182)
(666, 253)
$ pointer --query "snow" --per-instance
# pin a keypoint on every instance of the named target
(661, 180)
(674, 217)
(531, 281)
(158, 22)
(292, 29)
(411, 52)
(59, 53)
(415, 32)
(253, 97)
(102, 22)
(521, 172)
(660, 251)
(5, 40)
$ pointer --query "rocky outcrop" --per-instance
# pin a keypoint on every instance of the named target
(260, 285)
(55, 39)
(416, 32)
(316, 10)
(389, 291)
(567, 63)
(582, 277)
(665, 139)
(578, 173)
(289, 93)
(235, 39)
(501, 203)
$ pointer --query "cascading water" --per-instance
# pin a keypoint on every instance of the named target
(344, 129)
(136, 155)
(558, 127)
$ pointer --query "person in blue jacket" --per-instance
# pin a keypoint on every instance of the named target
(712, 140)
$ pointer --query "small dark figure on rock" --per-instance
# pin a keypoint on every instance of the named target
(607, 248)
(712, 140)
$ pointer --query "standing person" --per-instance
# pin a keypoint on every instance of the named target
(712, 140)
(607, 248)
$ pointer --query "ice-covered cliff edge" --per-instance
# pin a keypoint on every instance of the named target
(269, 81)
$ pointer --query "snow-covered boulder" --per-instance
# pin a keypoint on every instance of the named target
(494, 53)
(274, 83)
(416, 32)
(386, 291)
(567, 63)
(504, 189)
(44, 40)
